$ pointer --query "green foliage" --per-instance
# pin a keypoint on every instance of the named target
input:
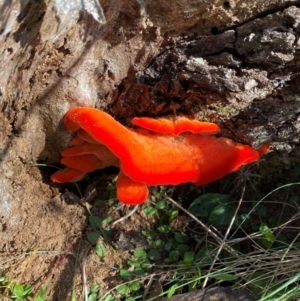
(95, 294)
(225, 277)
(99, 231)
(216, 207)
(172, 290)
(203, 205)
(20, 292)
(100, 250)
(268, 236)
(154, 255)
(128, 288)
(182, 258)
(41, 294)
(93, 237)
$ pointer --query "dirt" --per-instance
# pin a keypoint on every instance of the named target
(49, 246)
(138, 63)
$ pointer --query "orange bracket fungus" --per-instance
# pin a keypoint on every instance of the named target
(158, 152)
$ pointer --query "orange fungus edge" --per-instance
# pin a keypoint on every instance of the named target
(130, 192)
(177, 126)
(67, 174)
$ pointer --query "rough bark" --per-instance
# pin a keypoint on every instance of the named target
(231, 62)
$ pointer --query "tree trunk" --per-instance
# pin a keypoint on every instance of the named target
(235, 63)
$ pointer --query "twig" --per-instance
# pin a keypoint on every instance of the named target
(225, 237)
(83, 265)
(215, 236)
(57, 265)
(148, 286)
(126, 216)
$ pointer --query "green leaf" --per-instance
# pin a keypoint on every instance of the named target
(134, 263)
(99, 203)
(100, 250)
(21, 292)
(161, 204)
(17, 290)
(204, 204)
(139, 273)
(94, 288)
(95, 221)
(123, 289)
(111, 187)
(173, 214)
(107, 220)
(182, 249)
(188, 257)
(107, 233)
(244, 217)
(172, 290)
(4, 281)
(150, 211)
(27, 289)
(112, 201)
(92, 297)
(149, 233)
(145, 264)
(168, 247)
(110, 297)
(225, 277)
(140, 254)
(154, 255)
(41, 294)
(173, 256)
(93, 237)
(164, 229)
(206, 253)
(221, 215)
(134, 286)
(126, 274)
(181, 238)
(267, 232)
(268, 235)
(160, 244)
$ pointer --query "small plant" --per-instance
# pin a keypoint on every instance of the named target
(19, 292)
(98, 230)
(250, 247)
(216, 207)
(95, 294)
